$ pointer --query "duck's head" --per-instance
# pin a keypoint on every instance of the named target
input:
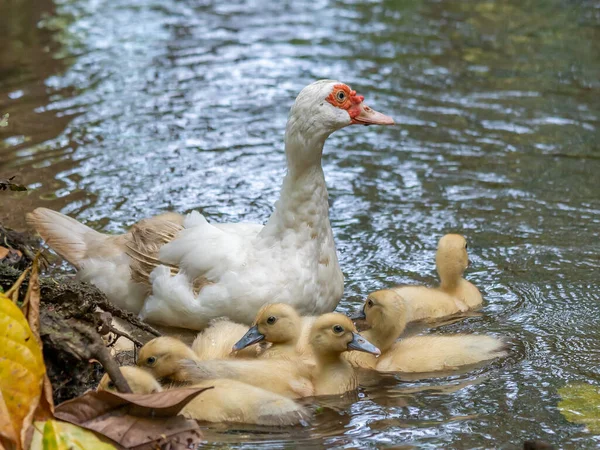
(277, 323)
(451, 259)
(161, 356)
(139, 380)
(386, 313)
(320, 109)
(334, 333)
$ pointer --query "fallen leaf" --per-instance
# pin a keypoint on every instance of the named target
(13, 292)
(22, 373)
(135, 420)
(581, 404)
(3, 252)
(56, 435)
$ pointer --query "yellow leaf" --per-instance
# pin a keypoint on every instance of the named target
(21, 373)
(580, 403)
(56, 435)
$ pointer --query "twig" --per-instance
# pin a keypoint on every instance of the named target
(13, 292)
(129, 317)
(125, 335)
(112, 368)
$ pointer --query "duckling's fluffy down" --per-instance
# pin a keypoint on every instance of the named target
(216, 341)
(235, 401)
(438, 353)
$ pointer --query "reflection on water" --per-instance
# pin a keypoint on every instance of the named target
(121, 110)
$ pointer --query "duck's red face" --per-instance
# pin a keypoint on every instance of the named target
(345, 98)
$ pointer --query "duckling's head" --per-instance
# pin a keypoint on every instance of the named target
(335, 333)
(140, 381)
(451, 259)
(161, 356)
(385, 310)
(277, 323)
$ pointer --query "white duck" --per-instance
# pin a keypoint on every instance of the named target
(184, 271)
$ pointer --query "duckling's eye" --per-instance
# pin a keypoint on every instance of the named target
(271, 320)
(370, 303)
(151, 360)
(340, 96)
(111, 385)
(466, 246)
(338, 329)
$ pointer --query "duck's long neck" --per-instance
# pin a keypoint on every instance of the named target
(303, 204)
(383, 336)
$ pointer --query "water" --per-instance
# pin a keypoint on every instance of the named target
(122, 110)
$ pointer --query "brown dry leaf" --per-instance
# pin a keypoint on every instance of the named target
(3, 252)
(135, 420)
(22, 373)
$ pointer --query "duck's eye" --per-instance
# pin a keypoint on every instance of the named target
(111, 385)
(370, 303)
(338, 329)
(271, 320)
(340, 96)
(466, 246)
(151, 360)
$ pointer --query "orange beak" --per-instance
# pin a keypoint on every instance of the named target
(368, 116)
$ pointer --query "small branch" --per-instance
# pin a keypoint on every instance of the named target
(125, 335)
(129, 317)
(102, 354)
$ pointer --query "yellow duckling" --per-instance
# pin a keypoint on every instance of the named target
(454, 295)
(330, 336)
(140, 381)
(281, 325)
(387, 316)
(215, 342)
(168, 358)
(226, 401)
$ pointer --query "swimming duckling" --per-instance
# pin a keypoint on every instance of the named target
(281, 325)
(455, 294)
(387, 315)
(330, 336)
(140, 381)
(215, 342)
(225, 401)
(168, 358)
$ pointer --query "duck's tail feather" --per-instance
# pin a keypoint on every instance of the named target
(64, 235)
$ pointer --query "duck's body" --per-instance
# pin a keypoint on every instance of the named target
(387, 315)
(139, 380)
(440, 353)
(170, 359)
(454, 295)
(224, 401)
(195, 271)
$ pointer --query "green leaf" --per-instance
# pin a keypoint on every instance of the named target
(56, 435)
(581, 404)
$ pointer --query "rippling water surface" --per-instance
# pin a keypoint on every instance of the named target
(124, 109)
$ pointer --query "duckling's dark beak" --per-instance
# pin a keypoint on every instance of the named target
(359, 315)
(362, 345)
(252, 336)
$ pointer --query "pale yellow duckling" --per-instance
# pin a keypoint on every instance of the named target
(281, 325)
(330, 336)
(225, 401)
(387, 315)
(140, 381)
(455, 294)
(216, 341)
(171, 359)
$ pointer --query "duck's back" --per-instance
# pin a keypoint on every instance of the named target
(235, 401)
(429, 303)
(439, 353)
